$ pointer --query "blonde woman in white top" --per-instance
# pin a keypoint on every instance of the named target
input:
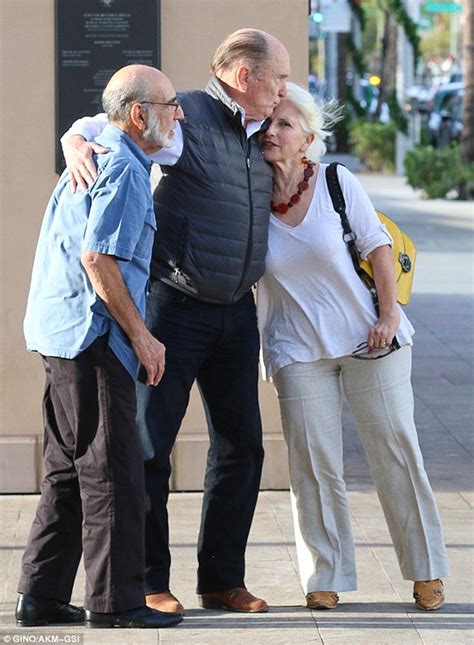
(314, 313)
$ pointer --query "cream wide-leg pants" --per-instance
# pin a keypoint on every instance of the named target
(380, 396)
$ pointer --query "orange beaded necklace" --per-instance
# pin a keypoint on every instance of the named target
(308, 172)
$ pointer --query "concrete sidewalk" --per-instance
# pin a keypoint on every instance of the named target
(382, 610)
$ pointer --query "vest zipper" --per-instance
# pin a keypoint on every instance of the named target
(250, 237)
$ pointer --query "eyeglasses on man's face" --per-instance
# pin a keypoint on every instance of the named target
(174, 104)
(362, 351)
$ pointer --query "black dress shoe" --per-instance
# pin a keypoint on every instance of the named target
(34, 612)
(141, 617)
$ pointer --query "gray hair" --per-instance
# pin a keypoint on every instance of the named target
(117, 98)
(314, 117)
(249, 46)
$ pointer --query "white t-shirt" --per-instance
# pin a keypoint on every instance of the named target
(311, 303)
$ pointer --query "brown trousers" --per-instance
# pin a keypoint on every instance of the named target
(92, 496)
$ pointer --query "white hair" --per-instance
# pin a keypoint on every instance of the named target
(118, 98)
(314, 117)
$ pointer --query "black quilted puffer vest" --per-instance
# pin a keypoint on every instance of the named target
(212, 207)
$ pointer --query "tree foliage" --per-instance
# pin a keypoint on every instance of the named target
(439, 171)
(435, 42)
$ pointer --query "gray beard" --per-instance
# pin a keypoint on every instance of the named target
(152, 133)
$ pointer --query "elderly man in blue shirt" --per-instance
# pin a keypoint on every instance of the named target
(85, 318)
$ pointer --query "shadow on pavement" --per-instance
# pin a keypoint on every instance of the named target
(395, 615)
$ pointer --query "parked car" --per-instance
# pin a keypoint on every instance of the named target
(450, 128)
(440, 101)
(420, 97)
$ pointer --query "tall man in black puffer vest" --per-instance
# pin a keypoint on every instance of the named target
(212, 209)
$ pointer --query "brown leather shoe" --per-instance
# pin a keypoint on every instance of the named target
(165, 601)
(238, 599)
(322, 600)
(428, 594)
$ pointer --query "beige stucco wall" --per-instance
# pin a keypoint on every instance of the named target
(190, 30)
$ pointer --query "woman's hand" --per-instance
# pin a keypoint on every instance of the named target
(382, 333)
(79, 162)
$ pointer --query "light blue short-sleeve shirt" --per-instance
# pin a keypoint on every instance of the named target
(114, 217)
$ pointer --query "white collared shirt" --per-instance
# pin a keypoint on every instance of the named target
(90, 127)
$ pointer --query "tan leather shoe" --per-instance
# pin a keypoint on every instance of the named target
(428, 594)
(165, 601)
(322, 600)
(238, 599)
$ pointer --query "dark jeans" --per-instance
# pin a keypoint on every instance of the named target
(218, 345)
(92, 496)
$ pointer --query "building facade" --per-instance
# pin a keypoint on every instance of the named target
(190, 31)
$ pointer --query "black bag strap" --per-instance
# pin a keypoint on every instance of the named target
(339, 204)
(348, 235)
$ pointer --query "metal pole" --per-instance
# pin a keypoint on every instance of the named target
(404, 78)
(331, 65)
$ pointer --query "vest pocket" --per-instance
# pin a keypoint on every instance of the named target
(171, 241)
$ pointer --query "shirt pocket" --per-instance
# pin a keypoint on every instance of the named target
(145, 242)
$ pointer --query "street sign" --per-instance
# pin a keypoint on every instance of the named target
(442, 7)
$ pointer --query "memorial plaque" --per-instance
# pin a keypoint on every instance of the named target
(94, 38)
